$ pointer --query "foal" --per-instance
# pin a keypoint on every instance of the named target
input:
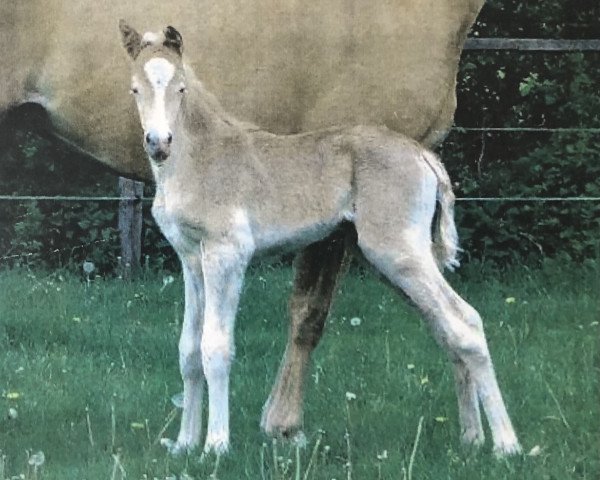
(226, 192)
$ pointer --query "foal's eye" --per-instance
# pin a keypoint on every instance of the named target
(182, 90)
(134, 91)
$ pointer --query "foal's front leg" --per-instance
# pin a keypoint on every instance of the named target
(190, 358)
(223, 268)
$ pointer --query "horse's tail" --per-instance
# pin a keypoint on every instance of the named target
(445, 238)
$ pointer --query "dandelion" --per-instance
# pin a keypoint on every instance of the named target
(535, 451)
(137, 426)
(441, 419)
(13, 414)
(88, 267)
(13, 395)
(355, 321)
(383, 455)
(350, 396)
(510, 300)
(411, 366)
(37, 460)
(177, 400)
(168, 280)
(424, 380)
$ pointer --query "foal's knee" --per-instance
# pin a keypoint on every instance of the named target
(217, 353)
(190, 359)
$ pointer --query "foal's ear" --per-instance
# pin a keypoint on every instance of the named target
(173, 40)
(131, 39)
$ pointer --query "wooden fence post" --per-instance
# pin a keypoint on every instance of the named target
(130, 226)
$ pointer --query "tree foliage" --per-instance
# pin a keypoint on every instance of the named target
(529, 89)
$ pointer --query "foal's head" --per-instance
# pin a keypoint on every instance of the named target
(157, 84)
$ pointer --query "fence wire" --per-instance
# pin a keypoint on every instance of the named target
(62, 198)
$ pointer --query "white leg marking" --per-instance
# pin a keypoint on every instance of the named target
(223, 267)
(190, 360)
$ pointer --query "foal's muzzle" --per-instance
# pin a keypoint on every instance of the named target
(158, 146)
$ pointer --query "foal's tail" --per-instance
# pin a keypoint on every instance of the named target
(445, 237)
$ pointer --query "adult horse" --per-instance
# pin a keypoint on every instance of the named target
(287, 66)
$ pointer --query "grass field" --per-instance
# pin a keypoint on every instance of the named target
(87, 374)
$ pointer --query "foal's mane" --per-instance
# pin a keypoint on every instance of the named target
(208, 102)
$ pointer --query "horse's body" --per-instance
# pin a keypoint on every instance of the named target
(227, 192)
(287, 66)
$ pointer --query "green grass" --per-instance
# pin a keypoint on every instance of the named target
(109, 352)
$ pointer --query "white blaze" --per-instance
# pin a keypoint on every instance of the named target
(159, 72)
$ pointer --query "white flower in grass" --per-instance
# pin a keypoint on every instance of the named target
(535, 451)
(177, 400)
(350, 396)
(88, 267)
(510, 300)
(383, 455)
(37, 459)
(355, 321)
(168, 280)
(13, 414)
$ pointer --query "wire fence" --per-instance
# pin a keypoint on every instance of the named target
(63, 198)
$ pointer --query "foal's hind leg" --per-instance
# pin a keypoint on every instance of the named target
(316, 271)
(457, 327)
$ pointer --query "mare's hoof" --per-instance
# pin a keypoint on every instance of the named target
(282, 424)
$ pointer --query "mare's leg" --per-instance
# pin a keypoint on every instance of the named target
(223, 269)
(317, 268)
(190, 357)
(457, 327)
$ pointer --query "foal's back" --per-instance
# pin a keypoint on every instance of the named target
(324, 176)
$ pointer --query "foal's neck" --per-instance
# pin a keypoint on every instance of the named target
(204, 116)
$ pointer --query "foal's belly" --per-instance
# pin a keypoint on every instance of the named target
(280, 239)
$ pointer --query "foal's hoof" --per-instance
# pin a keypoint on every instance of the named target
(472, 439)
(218, 444)
(176, 449)
(505, 449)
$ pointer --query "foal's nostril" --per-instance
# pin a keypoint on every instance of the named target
(148, 139)
(169, 139)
